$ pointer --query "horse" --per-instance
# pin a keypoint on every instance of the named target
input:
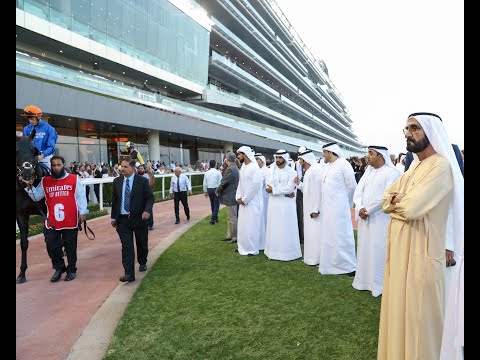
(27, 167)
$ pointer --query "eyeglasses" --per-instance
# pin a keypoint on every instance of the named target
(411, 129)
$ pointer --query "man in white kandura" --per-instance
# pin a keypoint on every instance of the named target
(337, 244)
(311, 188)
(372, 221)
(282, 241)
(250, 201)
(262, 164)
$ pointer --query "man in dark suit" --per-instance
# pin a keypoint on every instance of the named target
(226, 192)
(132, 202)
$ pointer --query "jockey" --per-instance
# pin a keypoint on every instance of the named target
(134, 154)
(44, 134)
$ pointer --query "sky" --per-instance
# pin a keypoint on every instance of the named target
(388, 59)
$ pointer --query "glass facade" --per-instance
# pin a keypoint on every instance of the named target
(152, 31)
(82, 140)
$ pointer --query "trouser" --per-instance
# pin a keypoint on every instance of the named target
(46, 161)
(126, 229)
(177, 197)
(87, 193)
(214, 204)
(55, 240)
(299, 200)
(96, 189)
(232, 212)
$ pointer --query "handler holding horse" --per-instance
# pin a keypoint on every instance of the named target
(67, 207)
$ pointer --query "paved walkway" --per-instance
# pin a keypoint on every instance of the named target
(53, 318)
(75, 320)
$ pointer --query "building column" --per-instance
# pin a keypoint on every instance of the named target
(154, 145)
(227, 147)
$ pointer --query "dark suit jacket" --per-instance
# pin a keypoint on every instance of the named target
(456, 150)
(228, 186)
(141, 198)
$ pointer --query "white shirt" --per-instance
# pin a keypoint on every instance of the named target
(211, 179)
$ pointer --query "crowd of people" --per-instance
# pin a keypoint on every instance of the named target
(409, 212)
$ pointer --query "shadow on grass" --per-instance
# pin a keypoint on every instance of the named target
(202, 300)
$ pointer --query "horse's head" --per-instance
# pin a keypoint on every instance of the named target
(26, 157)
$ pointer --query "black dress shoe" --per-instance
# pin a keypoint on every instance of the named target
(212, 222)
(128, 278)
(142, 268)
(188, 217)
(350, 274)
(227, 239)
(70, 276)
(177, 222)
(231, 241)
(57, 275)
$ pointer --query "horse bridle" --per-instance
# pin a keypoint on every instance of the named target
(31, 171)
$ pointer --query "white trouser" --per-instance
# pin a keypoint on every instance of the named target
(46, 161)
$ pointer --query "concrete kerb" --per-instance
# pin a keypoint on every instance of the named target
(93, 342)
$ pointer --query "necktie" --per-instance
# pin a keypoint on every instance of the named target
(178, 184)
(126, 198)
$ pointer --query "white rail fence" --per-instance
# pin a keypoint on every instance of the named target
(106, 180)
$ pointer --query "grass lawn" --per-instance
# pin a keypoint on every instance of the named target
(201, 300)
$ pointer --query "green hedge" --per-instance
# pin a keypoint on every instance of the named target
(197, 181)
(38, 219)
(37, 227)
(198, 189)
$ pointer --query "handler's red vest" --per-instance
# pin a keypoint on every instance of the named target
(62, 208)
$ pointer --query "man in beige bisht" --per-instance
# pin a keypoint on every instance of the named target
(311, 188)
(413, 300)
(372, 221)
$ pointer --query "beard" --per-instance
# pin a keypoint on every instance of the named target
(280, 163)
(241, 160)
(416, 146)
(59, 174)
(140, 172)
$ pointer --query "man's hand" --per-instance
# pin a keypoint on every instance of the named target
(268, 189)
(450, 261)
(145, 215)
(206, 195)
(291, 195)
(114, 224)
(82, 218)
(397, 198)
(240, 201)
(29, 182)
(171, 195)
(363, 213)
(314, 215)
(190, 193)
(40, 157)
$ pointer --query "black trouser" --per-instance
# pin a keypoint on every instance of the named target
(96, 189)
(299, 199)
(55, 240)
(87, 193)
(177, 197)
(125, 229)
